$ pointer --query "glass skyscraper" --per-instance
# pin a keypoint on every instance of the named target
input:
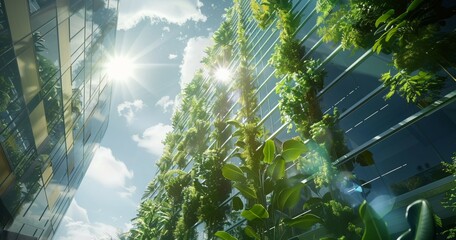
(54, 105)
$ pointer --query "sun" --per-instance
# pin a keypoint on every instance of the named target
(223, 74)
(120, 68)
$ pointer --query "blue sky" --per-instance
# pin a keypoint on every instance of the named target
(166, 39)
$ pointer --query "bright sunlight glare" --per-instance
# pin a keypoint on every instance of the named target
(223, 74)
(120, 68)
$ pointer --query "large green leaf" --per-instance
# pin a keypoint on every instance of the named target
(224, 235)
(375, 227)
(256, 212)
(233, 173)
(414, 5)
(237, 204)
(277, 169)
(289, 197)
(245, 190)
(269, 151)
(384, 17)
(303, 222)
(292, 149)
(421, 220)
(251, 232)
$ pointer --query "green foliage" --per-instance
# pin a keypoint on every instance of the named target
(233, 173)
(277, 169)
(410, 55)
(249, 231)
(214, 189)
(298, 101)
(336, 216)
(256, 212)
(237, 204)
(189, 216)
(288, 197)
(269, 151)
(224, 40)
(246, 190)
(269, 179)
(262, 13)
(421, 220)
(410, 30)
(292, 149)
(224, 235)
(375, 227)
(424, 86)
(304, 222)
(224, 35)
(287, 57)
(327, 134)
(351, 25)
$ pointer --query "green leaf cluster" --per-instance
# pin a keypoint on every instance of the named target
(412, 31)
(269, 179)
(421, 88)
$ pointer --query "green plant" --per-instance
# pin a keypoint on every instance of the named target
(422, 87)
(269, 218)
(224, 40)
(411, 31)
(262, 12)
(421, 220)
(189, 214)
(375, 227)
(298, 101)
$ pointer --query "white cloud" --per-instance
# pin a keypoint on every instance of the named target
(76, 212)
(175, 11)
(76, 225)
(108, 171)
(165, 102)
(152, 138)
(128, 109)
(193, 54)
(172, 56)
(129, 191)
(166, 29)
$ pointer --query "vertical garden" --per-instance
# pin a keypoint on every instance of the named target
(337, 122)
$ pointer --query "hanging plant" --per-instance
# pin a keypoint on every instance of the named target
(298, 101)
(189, 214)
(262, 13)
(411, 31)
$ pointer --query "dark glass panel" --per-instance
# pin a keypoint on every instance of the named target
(374, 117)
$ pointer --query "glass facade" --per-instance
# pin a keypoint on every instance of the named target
(54, 105)
(406, 142)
